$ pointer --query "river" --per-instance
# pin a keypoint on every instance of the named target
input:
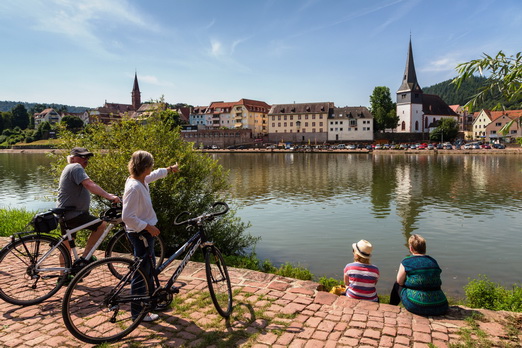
(309, 208)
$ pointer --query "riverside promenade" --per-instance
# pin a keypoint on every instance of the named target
(270, 311)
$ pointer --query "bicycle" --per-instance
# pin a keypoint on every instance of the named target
(97, 306)
(36, 264)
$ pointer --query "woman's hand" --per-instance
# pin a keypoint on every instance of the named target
(153, 230)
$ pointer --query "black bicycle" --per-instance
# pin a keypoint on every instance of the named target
(101, 307)
(36, 263)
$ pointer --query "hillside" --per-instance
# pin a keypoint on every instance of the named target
(8, 105)
(448, 92)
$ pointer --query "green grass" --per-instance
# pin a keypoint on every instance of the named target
(14, 220)
(483, 293)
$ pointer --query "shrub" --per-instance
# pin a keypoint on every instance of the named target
(483, 293)
(200, 182)
(329, 283)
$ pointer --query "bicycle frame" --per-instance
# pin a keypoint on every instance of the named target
(68, 235)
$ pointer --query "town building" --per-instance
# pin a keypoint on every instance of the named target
(418, 112)
(497, 126)
(299, 123)
(350, 124)
(216, 138)
(243, 114)
(48, 115)
(113, 112)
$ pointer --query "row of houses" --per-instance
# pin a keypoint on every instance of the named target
(246, 120)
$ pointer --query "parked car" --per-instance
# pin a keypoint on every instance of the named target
(498, 146)
(447, 147)
(378, 147)
(430, 147)
(351, 147)
(486, 146)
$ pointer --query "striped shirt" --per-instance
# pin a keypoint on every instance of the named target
(362, 280)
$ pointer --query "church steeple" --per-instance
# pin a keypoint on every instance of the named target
(136, 94)
(410, 85)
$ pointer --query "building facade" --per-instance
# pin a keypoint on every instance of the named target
(299, 123)
(350, 124)
(48, 115)
(418, 112)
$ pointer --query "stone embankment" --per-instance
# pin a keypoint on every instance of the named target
(271, 311)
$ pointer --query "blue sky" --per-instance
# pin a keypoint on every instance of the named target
(85, 52)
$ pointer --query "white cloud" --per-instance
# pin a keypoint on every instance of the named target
(442, 64)
(216, 48)
(153, 80)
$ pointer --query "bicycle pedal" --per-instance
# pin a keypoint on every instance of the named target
(174, 290)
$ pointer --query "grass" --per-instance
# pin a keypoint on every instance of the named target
(14, 220)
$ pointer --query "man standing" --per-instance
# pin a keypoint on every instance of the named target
(74, 191)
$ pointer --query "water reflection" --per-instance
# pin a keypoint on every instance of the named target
(309, 208)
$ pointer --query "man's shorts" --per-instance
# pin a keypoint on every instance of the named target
(82, 219)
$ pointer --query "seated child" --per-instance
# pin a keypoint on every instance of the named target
(361, 276)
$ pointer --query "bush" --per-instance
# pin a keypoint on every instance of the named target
(329, 283)
(483, 293)
(200, 182)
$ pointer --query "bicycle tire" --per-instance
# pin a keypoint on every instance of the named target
(20, 283)
(120, 246)
(88, 304)
(218, 281)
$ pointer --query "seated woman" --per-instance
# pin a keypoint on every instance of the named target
(360, 277)
(418, 283)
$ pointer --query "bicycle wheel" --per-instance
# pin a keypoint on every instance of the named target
(96, 307)
(21, 283)
(120, 245)
(218, 281)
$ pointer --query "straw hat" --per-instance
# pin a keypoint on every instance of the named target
(363, 248)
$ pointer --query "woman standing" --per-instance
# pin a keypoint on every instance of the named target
(138, 213)
(418, 283)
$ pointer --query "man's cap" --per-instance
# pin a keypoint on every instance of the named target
(81, 151)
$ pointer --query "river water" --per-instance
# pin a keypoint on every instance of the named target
(309, 208)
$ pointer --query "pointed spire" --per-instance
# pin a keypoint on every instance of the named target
(136, 94)
(409, 80)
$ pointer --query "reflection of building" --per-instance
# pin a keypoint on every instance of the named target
(306, 122)
(350, 124)
(418, 112)
(48, 115)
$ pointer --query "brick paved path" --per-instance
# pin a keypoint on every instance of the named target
(270, 311)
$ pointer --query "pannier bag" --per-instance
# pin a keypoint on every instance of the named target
(45, 222)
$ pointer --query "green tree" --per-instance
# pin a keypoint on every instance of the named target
(42, 132)
(504, 77)
(72, 123)
(37, 108)
(200, 182)
(383, 109)
(7, 120)
(20, 116)
(447, 130)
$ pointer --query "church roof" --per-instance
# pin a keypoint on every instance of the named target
(434, 105)
(302, 108)
(409, 80)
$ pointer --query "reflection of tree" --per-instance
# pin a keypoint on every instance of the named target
(384, 184)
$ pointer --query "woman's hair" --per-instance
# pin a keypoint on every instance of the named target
(140, 160)
(417, 243)
(360, 259)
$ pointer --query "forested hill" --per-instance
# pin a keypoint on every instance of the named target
(8, 105)
(449, 93)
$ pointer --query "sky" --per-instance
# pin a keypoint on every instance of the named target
(86, 52)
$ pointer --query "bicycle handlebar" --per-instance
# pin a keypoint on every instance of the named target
(203, 217)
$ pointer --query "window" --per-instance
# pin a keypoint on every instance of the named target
(498, 124)
(416, 125)
(403, 125)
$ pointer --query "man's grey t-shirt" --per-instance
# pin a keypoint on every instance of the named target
(71, 192)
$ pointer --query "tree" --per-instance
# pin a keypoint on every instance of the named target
(20, 116)
(42, 132)
(447, 130)
(200, 182)
(7, 120)
(383, 109)
(72, 123)
(504, 76)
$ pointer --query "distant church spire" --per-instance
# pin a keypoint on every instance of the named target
(136, 94)
(409, 80)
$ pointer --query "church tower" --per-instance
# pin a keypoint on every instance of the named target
(136, 94)
(409, 99)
